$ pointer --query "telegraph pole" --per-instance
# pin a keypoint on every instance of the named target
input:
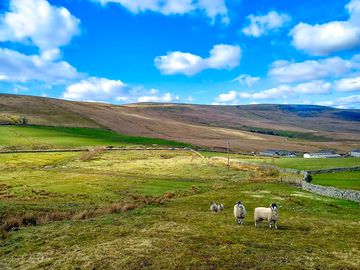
(228, 154)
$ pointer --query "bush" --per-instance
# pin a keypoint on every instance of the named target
(91, 154)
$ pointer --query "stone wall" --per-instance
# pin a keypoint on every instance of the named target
(351, 195)
(348, 169)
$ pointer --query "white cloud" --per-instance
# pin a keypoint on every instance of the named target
(211, 8)
(227, 97)
(17, 67)
(349, 102)
(95, 89)
(285, 91)
(261, 25)
(323, 39)
(314, 87)
(347, 84)
(36, 21)
(245, 79)
(221, 57)
(190, 99)
(167, 97)
(105, 90)
(285, 71)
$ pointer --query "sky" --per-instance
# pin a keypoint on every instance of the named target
(185, 51)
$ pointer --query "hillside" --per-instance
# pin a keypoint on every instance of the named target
(247, 127)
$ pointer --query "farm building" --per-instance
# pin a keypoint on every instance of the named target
(322, 154)
(355, 153)
(275, 153)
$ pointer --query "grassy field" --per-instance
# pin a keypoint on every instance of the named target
(41, 137)
(295, 163)
(346, 180)
(167, 223)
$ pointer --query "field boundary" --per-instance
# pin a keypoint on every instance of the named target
(333, 192)
(92, 149)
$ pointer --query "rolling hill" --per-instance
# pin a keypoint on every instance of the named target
(247, 127)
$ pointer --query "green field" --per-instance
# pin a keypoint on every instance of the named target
(345, 180)
(41, 137)
(295, 162)
(166, 223)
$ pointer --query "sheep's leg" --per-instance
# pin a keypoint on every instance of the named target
(275, 222)
(256, 223)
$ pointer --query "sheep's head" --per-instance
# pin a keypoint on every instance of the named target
(274, 207)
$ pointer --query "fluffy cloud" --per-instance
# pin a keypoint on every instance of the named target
(260, 25)
(281, 92)
(106, 90)
(227, 97)
(167, 97)
(45, 26)
(95, 89)
(221, 57)
(286, 91)
(323, 39)
(285, 71)
(347, 84)
(350, 102)
(17, 67)
(212, 8)
(245, 79)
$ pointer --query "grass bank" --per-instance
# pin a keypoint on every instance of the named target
(178, 233)
(43, 137)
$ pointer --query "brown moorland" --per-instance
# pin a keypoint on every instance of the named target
(247, 127)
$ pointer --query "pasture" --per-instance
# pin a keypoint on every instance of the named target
(298, 163)
(134, 210)
(344, 180)
(43, 137)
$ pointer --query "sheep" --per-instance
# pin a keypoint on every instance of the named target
(239, 212)
(263, 213)
(213, 207)
(220, 207)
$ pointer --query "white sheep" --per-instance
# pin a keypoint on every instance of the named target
(213, 207)
(266, 213)
(220, 207)
(239, 212)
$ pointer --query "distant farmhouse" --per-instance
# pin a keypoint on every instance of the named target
(355, 153)
(277, 153)
(322, 154)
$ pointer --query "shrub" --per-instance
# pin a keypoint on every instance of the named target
(91, 154)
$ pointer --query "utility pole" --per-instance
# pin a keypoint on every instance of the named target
(228, 154)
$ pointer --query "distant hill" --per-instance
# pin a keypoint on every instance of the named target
(247, 127)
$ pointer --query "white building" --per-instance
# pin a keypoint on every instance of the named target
(355, 153)
(321, 155)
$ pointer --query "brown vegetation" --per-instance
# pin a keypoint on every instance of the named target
(202, 125)
(30, 219)
(91, 154)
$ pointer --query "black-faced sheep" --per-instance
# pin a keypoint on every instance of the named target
(214, 207)
(266, 213)
(239, 212)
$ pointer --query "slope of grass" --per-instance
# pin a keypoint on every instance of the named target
(345, 180)
(177, 233)
(41, 137)
(294, 162)
(313, 164)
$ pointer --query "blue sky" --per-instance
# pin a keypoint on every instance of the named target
(190, 51)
